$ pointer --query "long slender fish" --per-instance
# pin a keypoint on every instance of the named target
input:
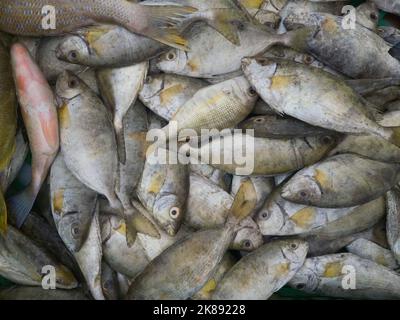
(37, 17)
(39, 113)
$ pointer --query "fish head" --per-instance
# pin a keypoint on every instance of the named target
(168, 211)
(68, 86)
(259, 71)
(245, 92)
(73, 49)
(305, 279)
(248, 237)
(173, 61)
(270, 218)
(295, 250)
(152, 86)
(73, 231)
(302, 188)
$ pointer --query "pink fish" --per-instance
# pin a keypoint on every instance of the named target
(39, 113)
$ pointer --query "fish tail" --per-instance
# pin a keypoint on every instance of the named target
(395, 51)
(136, 222)
(7, 156)
(296, 39)
(392, 135)
(3, 214)
(20, 206)
(164, 24)
(119, 131)
(244, 202)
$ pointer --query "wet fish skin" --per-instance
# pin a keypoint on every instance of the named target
(73, 205)
(86, 129)
(285, 86)
(107, 46)
(157, 22)
(39, 113)
(120, 88)
(275, 126)
(280, 217)
(170, 275)
(323, 276)
(369, 250)
(392, 222)
(208, 207)
(271, 156)
(327, 184)
(22, 262)
(389, 34)
(109, 282)
(164, 93)
(264, 271)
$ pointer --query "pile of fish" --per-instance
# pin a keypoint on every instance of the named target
(97, 216)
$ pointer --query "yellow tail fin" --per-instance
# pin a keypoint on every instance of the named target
(3, 214)
(245, 201)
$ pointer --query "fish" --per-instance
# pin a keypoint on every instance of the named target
(290, 88)
(205, 293)
(389, 34)
(225, 16)
(211, 55)
(22, 262)
(218, 177)
(73, 205)
(8, 120)
(280, 217)
(31, 19)
(208, 207)
(218, 106)
(325, 275)
(263, 186)
(89, 258)
(163, 190)
(38, 293)
(39, 113)
(165, 94)
(120, 98)
(109, 282)
(48, 61)
(135, 125)
(269, 157)
(343, 180)
(16, 163)
(107, 46)
(391, 6)
(264, 271)
(86, 129)
(173, 275)
(392, 222)
(275, 126)
(370, 250)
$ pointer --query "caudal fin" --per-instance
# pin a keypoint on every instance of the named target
(136, 222)
(3, 214)
(244, 202)
(20, 206)
(394, 135)
(395, 51)
(119, 131)
(164, 23)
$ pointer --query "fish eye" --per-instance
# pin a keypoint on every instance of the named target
(187, 154)
(294, 246)
(303, 194)
(75, 230)
(300, 286)
(72, 83)
(247, 244)
(171, 56)
(327, 140)
(373, 16)
(308, 59)
(148, 79)
(252, 92)
(73, 55)
(265, 215)
(174, 212)
(240, 26)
